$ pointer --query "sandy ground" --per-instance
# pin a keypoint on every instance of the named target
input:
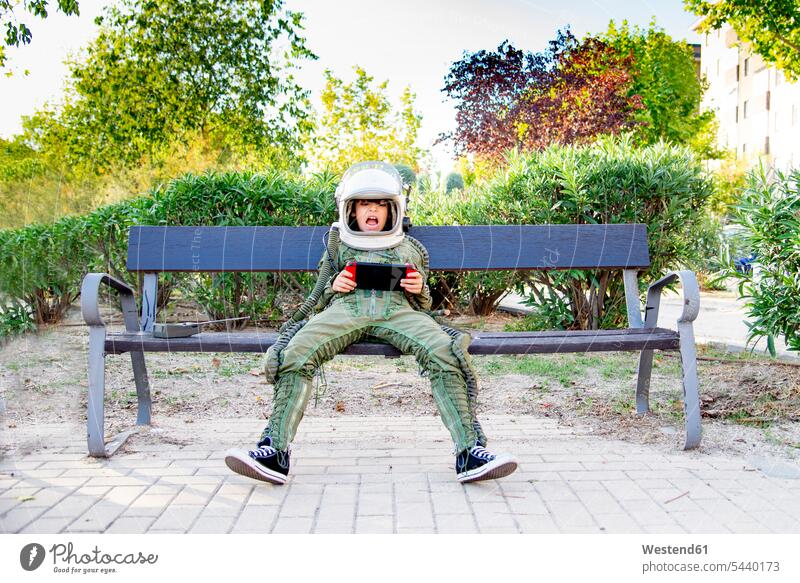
(43, 393)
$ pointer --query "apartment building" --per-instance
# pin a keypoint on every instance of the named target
(757, 108)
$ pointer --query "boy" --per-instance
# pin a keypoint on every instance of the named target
(371, 209)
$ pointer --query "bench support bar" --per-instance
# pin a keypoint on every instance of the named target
(632, 303)
(149, 301)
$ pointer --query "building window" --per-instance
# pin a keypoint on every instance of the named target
(746, 66)
(766, 145)
(737, 72)
(736, 114)
(744, 109)
(744, 148)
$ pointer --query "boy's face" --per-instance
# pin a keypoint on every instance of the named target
(371, 215)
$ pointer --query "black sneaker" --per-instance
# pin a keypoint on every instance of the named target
(264, 463)
(477, 463)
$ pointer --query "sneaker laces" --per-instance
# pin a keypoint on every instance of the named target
(263, 452)
(481, 453)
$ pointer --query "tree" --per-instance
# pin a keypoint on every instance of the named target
(167, 71)
(33, 188)
(358, 122)
(408, 174)
(453, 182)
(17, 32)
(771, 28)
(568, 94)
(664, 76)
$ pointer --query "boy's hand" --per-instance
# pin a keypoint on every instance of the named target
(413, 283)
(344, 282)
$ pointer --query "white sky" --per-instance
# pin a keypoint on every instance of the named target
(411, 42)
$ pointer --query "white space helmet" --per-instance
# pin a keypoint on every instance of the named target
(371, 180)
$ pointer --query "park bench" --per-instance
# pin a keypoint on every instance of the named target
(154, 250)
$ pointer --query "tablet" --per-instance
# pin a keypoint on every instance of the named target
(378, 276)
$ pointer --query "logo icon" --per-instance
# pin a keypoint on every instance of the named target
(31, 556)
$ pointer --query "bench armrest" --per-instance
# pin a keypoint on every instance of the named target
(691, 297)
(90, 292)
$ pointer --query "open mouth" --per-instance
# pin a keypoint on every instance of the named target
(372, 221)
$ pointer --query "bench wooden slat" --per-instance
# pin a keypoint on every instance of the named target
(453, 248)
(557, 333)
(482, 342)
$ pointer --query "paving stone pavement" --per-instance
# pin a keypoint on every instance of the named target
(394, 475)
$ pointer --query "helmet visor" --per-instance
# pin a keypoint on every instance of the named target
(392, 215)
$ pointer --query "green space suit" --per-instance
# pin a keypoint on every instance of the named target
(392, 317)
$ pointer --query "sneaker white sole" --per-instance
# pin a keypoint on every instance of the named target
(240, 462)
(500, 467)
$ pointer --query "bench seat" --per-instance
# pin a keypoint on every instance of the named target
(484, 343)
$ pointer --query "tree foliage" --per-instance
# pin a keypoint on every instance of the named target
(567, 94)
(167, 71)
(33, 188)
(167, 87)
(771, 28)
(664, 75)
(17, 31)
(358, 122)
(408, 175)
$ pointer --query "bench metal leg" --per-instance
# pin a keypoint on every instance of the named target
(95, 417)
(691, 395)
(97, 383)
(96, 409)
(142, 388)
(631, 281)
(643, 372)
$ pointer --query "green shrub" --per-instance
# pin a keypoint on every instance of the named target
(15, 318)
(769, 214)
(424, 183)
(43, 265)
(232, 295)
(243, 199)
(707, 253)
(610, 181)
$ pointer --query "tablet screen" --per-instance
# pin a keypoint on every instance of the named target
(380, 276)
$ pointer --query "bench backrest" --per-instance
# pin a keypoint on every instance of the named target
(452, 248)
